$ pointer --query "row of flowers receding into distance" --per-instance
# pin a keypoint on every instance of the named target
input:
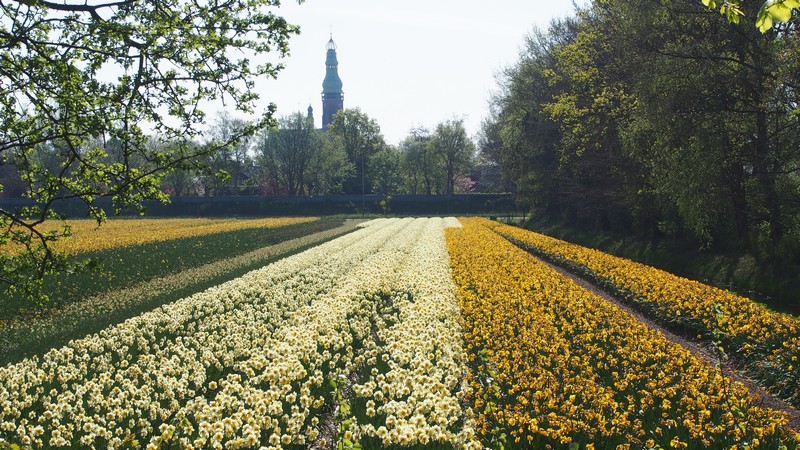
(87, 236)
(336, 333)
(766, 341)
(555, 364)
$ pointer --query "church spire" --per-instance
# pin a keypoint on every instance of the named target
(332, 95)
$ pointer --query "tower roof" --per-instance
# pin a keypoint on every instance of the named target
(332, 83)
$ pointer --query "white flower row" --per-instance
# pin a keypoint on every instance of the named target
(418, 399)
(246, 363)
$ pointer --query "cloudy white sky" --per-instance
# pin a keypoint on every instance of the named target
(406, 63)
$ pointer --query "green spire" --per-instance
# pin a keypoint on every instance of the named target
(332, 83)
(332, 96)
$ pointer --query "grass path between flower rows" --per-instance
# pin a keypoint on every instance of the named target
(51, 329)
(700, 348)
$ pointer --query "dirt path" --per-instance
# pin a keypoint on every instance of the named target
(699, 348)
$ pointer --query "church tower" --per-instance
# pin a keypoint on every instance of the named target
(332, 95)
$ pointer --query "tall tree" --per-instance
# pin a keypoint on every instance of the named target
(646, 136)
(362, 138)
(73, 71)
(385, 171)
(519, 135)
(329, 167)
(285, 152)
(231, 159)
(183, 182)
(724, 157)
(594, 102)
(454, 149)
(420, 165)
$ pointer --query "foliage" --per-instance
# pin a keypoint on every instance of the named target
(81, 82)
(285, 152)
(188, 181)
(438, 162)
(454, 149)
(771, 11)
(329, 167)
(595, 172)
(611, 118)
(385, 171)
(298, 159)
(362, 139)
(519, 136)
(228, 169)
(420, 165)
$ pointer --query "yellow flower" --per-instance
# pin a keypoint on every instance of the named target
(563, 364)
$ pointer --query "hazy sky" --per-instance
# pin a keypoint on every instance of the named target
(406, 63)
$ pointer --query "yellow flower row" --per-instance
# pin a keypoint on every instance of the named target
(86, 236)
(767, 341)
(555, 364)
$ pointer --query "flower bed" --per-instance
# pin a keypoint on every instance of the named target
(555, 365)
(767, 342)
(87, 236)
(54, 328)
(264, 360)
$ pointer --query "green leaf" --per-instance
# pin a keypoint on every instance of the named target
(764, 21)
(780, 12)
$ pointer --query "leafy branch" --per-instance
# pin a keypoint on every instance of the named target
(81, 81)
(771, 11)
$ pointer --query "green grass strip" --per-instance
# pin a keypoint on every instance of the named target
(54, 328)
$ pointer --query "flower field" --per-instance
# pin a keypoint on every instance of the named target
(27, 336)
(767, 342)
(405, 333)
(361, 332)
(556, 365)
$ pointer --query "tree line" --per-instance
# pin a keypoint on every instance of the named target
(352, 157)
(659, 117)
(288, 157)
